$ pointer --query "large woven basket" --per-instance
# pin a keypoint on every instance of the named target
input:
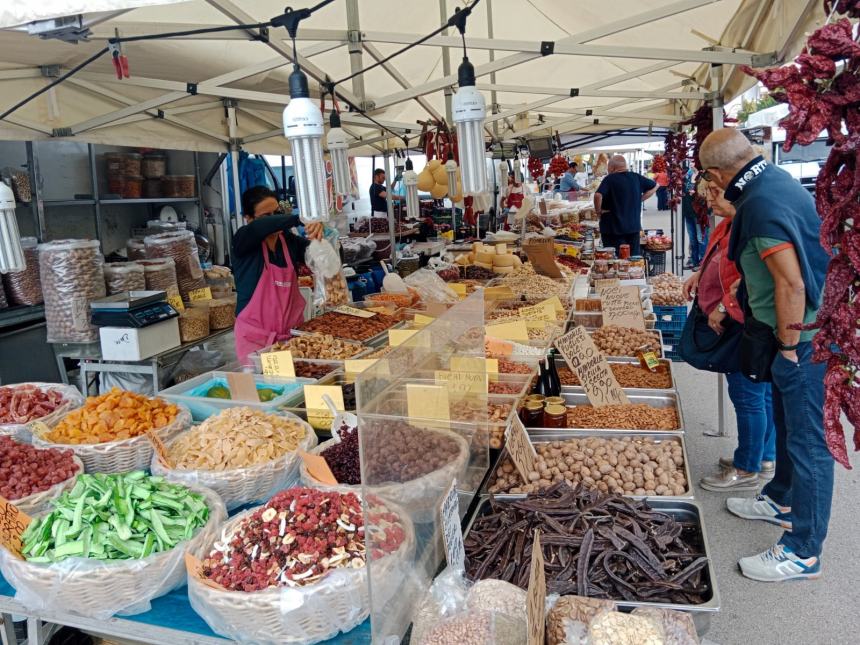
(118, 456)
(239, 486)
(38, 502)
(337, 603)
(99, 589)
(416, 494)
(23, 431)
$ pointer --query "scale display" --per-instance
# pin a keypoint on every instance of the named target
(132, 309)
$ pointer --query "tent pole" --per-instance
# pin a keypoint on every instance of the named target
(446, 62)
(356, 51)
(389, 205)
(493, 95)
(233, 131)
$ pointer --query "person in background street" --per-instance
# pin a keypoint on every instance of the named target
(774, 243)
(568, 182)
(662, 180)
(753, 461)
(266, 254)
(379, 195)
(695, 233)
(618, 203)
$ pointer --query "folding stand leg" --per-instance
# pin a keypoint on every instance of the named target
(721, 409)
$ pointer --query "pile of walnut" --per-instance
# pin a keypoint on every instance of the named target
(623, 466)
(613, 340)
(668, 290)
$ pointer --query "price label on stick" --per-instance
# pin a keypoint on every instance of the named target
(278, 363)
(242, 386)
(461, 384)
(13, 523)
(536, 599)
(516, 330)
(452, 533)
(520, 448)
(622, 306)
(587, 362)
(543, 311)
(428, 402)
(354, 311)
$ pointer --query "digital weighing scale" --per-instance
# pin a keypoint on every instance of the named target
(136, 309)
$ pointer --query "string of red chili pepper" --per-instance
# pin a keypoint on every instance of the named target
(675, 146)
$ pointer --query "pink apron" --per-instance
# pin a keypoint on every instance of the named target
(275, 308)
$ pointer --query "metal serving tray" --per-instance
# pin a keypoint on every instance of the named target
(682, 510)
(654, 398)
(545, 436)
(560, 362)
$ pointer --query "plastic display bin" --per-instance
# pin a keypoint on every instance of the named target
(192, 392)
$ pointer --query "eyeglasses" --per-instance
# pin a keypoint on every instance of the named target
(706, 173)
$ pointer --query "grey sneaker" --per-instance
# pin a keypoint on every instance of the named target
(728, 479)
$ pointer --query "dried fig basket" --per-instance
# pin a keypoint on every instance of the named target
(239, 486)
(339, 602)
(118, 456)
(23, 431)
(38, 502)
(100, 589)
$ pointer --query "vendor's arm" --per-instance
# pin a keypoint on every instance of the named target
(249, 237)
(598, 203)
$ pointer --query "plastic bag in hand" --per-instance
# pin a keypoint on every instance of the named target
(322, 259)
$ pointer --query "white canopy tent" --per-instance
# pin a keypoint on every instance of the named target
(544, 66)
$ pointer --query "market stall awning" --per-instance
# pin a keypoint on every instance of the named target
(545, 66)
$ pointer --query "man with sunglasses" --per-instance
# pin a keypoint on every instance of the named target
(774, 243)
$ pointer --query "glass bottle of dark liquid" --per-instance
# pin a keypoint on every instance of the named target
(541, 385)
(554, 378)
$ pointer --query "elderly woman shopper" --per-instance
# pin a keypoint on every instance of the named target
(753, 460)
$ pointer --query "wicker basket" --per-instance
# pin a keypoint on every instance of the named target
(23, 431)
(413, 494)
(337, 603)
(99, 589)
(240, 486)
(119, 456)
(38, 502)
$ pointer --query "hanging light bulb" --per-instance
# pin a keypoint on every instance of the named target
(337, 147)
(451, 171)
(303, 127)
(469, 111)
(11, 253)
(410, 181)
(518, 170)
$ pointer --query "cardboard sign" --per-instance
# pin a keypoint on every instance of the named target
(536, 599)
(399, 336)
(452, 533)
(498, 293)
(195, 570)
(555, 301)
(622, 306)
(314, 397)
(515, 330)
(458, 288)
(353, 311)
(200, 294)
(602, 283)
(587, 362)
(358, 365)
(541, 254)
(463, 383)
(278, 363)
(242, 387)
(542, 207)
(542, 311)
(175, 301)
(520, 448)
(159, 447)
(428, 402)
(318, 468)
(13, 523)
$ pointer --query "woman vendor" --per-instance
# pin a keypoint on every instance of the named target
(266, 254)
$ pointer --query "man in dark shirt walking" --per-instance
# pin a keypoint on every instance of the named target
(618, 202)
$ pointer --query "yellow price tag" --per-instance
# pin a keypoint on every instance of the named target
(358, 365)
(555, 302)
(427, 402)
(498, 293)
(200, 294)
(421, 320)
(314, 397)
(399, 336)
(515, 330)
(176, 302)
(542, 311)
(278, 364)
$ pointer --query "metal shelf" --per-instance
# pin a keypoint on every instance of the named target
(155, 200)
(68, 202)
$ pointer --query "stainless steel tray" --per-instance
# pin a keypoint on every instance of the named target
(654, 398)
(682, 510)
(547, 435)
(559, 361)
(658, 332)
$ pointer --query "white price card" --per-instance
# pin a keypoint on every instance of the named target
(455, 550)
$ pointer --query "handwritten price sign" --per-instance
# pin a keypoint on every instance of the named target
(585, 360)
(13, 523)
(622, 306)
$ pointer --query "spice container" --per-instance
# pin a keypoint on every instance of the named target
(179, 185)
(115, 185)
(193, 324)
(180, 246)
(72, 277)
(25, 287)
(113, 164)
(124, 276)
(152, 188)
(153, 166)
(604, 253)
(132, 185)
(130, 164)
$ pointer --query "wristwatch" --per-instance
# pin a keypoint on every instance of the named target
(722, 308)
(785, 348)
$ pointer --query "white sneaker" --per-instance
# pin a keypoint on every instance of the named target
(779, 563)
(760, 507)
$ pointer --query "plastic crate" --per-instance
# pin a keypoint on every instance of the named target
(671, 337)
(670, 314)
(655, 261)
(673, 356)
(672, 326)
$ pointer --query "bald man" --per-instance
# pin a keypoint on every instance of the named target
(618, 203)
(774, 243)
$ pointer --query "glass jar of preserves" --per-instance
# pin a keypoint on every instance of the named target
(553, 400)
(532, 414)
(555, 416)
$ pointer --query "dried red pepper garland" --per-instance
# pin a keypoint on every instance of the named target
(822, 90)
(535, 168)
(676, 154)
(659, 163)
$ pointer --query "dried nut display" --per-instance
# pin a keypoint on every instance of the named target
(222, 313)
(623, 466)
(613, 340)
(25, 287)
(397, 452)
(236, 438)
(628, 375)
(124, 276)
(497, 596)
(615, 628)
(25, 469)
(350, 327)
(475, 628)
(115, 415)
(72, 277)
(570, 610)
(182, 247)
(668, 291)
(678, 626)
(193, 324)
(512, 367)
(630, 416)
(589, 304)
(523, 281)
(319, 346)
(505, 387)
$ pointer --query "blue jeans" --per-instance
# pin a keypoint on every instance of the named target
(756, 431)
(698, 240)
(804, 466)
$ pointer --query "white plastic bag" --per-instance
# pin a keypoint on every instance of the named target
(330, 289)
(431, 287)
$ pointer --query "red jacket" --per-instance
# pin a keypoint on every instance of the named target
(729, 273)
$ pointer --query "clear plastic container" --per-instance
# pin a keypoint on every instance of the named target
(182, 247)
(25, 287)
(124, 276)
(135, 249)
(160, 275)
(193, 394)
(193, 324)
(153, 166)
(132, 186)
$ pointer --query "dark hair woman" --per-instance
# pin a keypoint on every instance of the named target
(265, 255)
